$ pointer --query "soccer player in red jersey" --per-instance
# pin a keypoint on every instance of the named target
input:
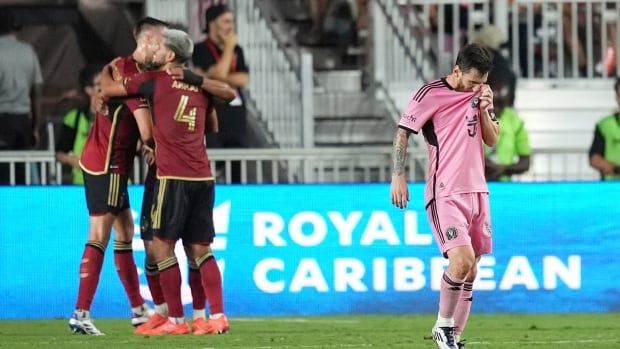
(184, 192)
(455, 114)
(106, 159)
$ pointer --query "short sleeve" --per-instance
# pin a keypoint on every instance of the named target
(201, 57)
(598, 143)
(417, 113)
(140, 84)
(136, 103)
(37, 77)
(522, 141)
(69, 119)
(242, 65)
(67, 132)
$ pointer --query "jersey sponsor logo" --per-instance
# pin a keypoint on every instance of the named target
(411, 118)
(472, 124)
(452, 233)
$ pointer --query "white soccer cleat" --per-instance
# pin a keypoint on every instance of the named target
(80, 322)
(444, 337)
(142, 316)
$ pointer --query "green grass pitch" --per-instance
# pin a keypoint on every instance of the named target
(566, 331)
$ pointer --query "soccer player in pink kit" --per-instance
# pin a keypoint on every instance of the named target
(455, 115)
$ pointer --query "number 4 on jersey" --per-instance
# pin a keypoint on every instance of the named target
(190, 118)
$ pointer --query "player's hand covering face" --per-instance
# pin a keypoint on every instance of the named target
(486, 97)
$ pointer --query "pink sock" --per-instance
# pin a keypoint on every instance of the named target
(449, 294)
(463, 307)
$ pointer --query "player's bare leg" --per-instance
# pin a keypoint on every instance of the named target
(462, 260)
(90, 269)
(126, 267)
(212, 284)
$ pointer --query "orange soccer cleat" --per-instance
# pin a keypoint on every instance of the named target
(200, 326)
(217, 326)
(155, 321)
(169, 327)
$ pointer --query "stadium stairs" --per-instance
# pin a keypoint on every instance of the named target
(346, 113)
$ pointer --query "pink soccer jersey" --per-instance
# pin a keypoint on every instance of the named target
(450, 123)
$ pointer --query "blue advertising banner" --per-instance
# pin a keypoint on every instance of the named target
(331, 249)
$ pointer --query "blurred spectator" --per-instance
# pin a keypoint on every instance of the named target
(502, 74)
(318, 12)
(196, 25)
(219, 57)
(333, 23)
(524, 38)
(578, 46)
(511, 154)
(20, 91)
(78, 121)
(605, 149)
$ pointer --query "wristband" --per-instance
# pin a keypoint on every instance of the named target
(191, 78)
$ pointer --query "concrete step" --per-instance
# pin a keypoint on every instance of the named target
(340, 80)
(351, 132)
(342, 105)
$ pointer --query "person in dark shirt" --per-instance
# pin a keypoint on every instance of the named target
(183, 208)
(220, 57)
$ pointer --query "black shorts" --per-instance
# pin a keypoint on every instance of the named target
(106, 193)
(146, 225)
(183, 210)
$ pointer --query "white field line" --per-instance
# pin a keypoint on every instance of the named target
(310, 346)
(296, 320)
(574, 341)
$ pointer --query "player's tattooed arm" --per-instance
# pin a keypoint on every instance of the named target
(399, 193)
(399, 151)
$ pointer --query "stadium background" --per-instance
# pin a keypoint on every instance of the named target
(322, 118)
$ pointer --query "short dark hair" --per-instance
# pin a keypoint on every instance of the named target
(148, 22)
(88, 73)
(617, 85)
(7, 21)
(213, 13)
(474, 56)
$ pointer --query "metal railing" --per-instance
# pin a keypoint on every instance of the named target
(565, 38)
(314, 165)
(549, 39)
(415, 41)
(277, 87)
(280, 88)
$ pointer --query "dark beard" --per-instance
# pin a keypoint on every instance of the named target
(150, 66)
